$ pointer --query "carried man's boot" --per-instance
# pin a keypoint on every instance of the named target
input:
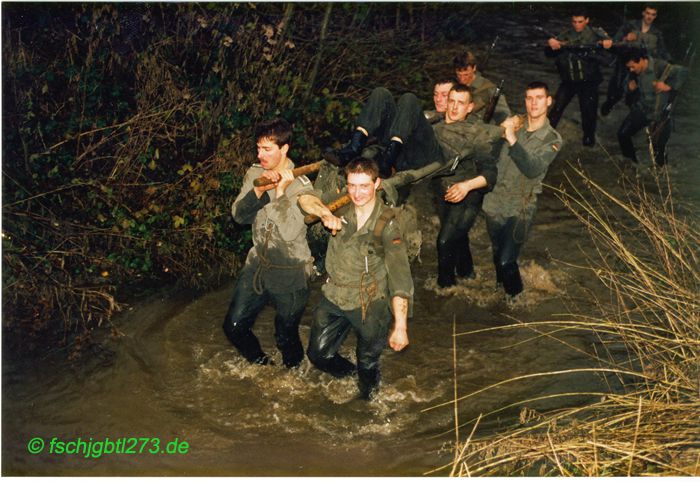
(387, 160)
(341, 157)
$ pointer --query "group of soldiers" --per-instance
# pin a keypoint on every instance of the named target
(642, 76)
(479, 157)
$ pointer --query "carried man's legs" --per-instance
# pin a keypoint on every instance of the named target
(401, 127)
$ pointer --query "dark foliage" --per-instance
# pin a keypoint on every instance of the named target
(127, 128)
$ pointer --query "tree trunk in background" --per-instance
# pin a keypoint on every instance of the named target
(284, 28)
(319, 55)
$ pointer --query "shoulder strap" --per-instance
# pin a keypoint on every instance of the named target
(384, 218)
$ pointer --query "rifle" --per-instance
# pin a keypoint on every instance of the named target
(491, 107)
(482, 66)
(390, 185)
(657, 127)
(298, 171)
(582, 50)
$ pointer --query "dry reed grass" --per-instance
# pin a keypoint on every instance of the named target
(646, 254)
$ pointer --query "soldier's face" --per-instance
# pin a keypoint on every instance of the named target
(536, 102)
(459, 105)
(270, 155)
(440, 94)
(579, 23)
(361, 188)
(637, 67)
(466, 76)
(649, 15)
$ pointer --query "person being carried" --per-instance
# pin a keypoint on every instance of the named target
(483, 90)
(406, 136)
(531, 146)
(640, 33)
(440, 92)
(474, 144)
(577, 60)
(654, 84)
(279, 264)
(369, 281)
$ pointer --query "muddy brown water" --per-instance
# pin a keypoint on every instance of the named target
(172, 374)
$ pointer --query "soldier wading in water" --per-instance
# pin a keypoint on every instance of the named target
(531, 146)
(369, 281)
(279, 263)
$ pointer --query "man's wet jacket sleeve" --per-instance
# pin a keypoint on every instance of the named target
(400, 281)
(486, 158)
(247, 204)
(534, 162)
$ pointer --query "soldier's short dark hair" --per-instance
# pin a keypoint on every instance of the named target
(445, 81)
(537, 84)
(464, 60)
(651, 6)
(634, 54)
(362, 165)
(278, 130)
(579, 11)
(463, 88)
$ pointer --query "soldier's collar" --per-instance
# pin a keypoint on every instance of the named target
(372, 217)
(541, 132)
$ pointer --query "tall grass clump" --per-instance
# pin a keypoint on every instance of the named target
(647, 422)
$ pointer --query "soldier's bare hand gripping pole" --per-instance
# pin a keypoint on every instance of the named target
(296, 172)
(313, 205)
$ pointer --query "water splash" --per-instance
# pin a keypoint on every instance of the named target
(540, 284)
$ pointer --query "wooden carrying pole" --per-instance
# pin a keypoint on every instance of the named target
(299, 171)
(334, 205)
(399, 179)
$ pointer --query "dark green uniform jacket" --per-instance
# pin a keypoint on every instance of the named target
(474, 144)
(577, 64)
(521, 169)
(647, 100)
(652, 41)
(279, 232)
(354, 263)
